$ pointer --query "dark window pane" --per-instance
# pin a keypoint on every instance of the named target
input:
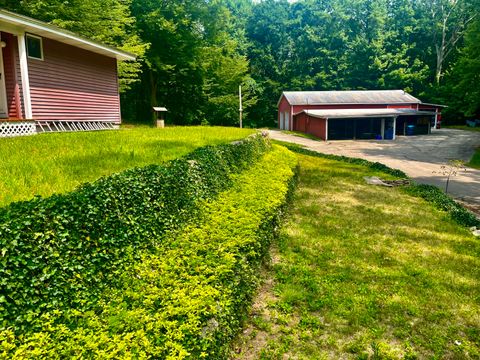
(34, 47)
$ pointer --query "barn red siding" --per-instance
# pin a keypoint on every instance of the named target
(310, 125)
(73, 84)
(284, 106)
(13, 82)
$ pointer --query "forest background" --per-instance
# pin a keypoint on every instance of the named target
(193, 54)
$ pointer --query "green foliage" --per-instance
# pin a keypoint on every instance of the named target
(106, 21)
(194, 65)
(465, 77)
(444, 202)
(194, 54)
(184, 297)
(61, 252)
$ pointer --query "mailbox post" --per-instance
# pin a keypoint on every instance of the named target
(160, 121)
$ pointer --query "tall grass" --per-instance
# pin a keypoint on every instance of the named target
(58, 162)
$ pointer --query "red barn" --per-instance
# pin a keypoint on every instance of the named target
(371, 114)
(54, 80)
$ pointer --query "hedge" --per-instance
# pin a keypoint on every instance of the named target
(185, 299)
(62, 252)
(430, 193)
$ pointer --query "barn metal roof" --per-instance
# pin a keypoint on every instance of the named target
(15, 23)
(350, 97)
(363, 113)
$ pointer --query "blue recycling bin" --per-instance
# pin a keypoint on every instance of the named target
(389, 134)
(410, 130)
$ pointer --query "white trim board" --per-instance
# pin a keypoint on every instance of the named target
(18, 24)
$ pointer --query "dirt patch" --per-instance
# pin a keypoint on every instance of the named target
(258, 331)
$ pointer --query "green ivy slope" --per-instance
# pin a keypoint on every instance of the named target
(174, 291)
(61, 252)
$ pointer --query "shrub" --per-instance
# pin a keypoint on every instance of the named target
(63, 251)
(185, 298)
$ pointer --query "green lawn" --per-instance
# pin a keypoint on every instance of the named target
(365, 272)
(475, 160)
(53, 163)
(462, 127)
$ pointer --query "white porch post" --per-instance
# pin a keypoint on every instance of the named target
(27, 101)
(382, 128)
(326, 129)
(394, 127)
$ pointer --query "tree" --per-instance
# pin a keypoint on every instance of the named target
(466, 73)
(450, 19)
(106, 21)
(194, 65)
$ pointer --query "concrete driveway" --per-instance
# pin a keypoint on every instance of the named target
(418, 156)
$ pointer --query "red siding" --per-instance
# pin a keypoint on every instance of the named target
(310, 125)
(13, 83)
(73, 84)
(284, 106)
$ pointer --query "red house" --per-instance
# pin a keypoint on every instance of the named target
(54, 80)
(372, 114)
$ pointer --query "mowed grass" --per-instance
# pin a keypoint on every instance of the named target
(475, 160)
(463, 127)
(54, 163)
(366, 272)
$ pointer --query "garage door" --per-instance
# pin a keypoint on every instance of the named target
(359, 128)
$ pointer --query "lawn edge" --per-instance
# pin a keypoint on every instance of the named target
(430, 193)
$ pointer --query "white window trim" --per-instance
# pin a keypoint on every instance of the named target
(27, 35)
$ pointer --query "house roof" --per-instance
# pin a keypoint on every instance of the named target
(349, 97)
(363, 113)
(10, 21)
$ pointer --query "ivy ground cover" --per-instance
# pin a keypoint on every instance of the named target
(183, 296)
(365, 272)
(54, 163)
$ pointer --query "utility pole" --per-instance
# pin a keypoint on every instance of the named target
(241, 108)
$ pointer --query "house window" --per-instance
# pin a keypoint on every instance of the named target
(34, 47)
